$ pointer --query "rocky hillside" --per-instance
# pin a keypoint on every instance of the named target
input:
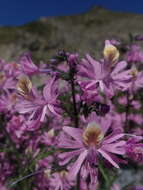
(82, 33)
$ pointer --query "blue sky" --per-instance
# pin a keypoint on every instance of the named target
(18, 12)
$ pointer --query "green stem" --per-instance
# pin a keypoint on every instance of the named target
(107, 180)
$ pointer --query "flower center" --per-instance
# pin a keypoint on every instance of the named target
(47, 173)
(111, 54)
(63, 173)
(24, 86)
(92, 135)
(134, 72)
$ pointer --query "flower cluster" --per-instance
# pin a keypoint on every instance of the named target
(72, 122)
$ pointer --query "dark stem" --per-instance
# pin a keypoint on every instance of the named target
(78, 181)
(127, 111)
(25, 177)
(74, 103)
(72, 82)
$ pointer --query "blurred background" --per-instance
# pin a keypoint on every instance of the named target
(45, 26)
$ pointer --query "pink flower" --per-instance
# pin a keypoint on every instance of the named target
(27, 65)
(135, 54)
(8, 101)
(42, 180)
(60, 181)
(17, 129)
(48, 138)
(38, 106)
(6, 81)
(103, 77)
(134, 149)
(137, 82)
(88, 145)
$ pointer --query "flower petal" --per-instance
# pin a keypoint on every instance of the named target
(77, 165)
(107, 157)
(74, 132)
(113, 138)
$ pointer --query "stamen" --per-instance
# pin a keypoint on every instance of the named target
(24, 86)
(47, 173)
(63, 173)
(134, 72)
(92, 135)
(111, 54)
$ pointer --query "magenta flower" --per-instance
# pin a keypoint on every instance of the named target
(134, 149)
(88, 144)
(6, 81)
(17, 129)
(135, 103)
(60, 181)
(27, 65)
(48, 138)
(42, 180)
(135, 54)
(8, 102)
(137, 81)
(38, 106)
(103, 77)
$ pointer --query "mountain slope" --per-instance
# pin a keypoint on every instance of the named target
(82, 33)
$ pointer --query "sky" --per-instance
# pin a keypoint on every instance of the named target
(19, 12)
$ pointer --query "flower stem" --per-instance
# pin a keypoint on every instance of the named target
(25, 177)
(127, 111)
(107, 181)
(78, 181)
(72, 82)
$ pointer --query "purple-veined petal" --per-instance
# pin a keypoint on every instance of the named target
(74, 132)
(67, 156)
(44, 111)
(113, 138)
(77, 165)
(107, 157)
(119, 67)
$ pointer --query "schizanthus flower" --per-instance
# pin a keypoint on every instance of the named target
(89, 144)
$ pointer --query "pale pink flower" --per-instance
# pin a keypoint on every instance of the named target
(88, 144)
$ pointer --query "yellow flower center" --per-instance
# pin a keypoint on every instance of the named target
(134, 72)
(47, 173)
(92, 135)
(111, 53)
(63, 173)
(51, 133)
